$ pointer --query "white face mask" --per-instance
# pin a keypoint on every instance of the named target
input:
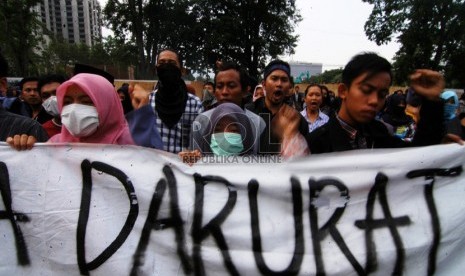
(51, 106)
(80, 120)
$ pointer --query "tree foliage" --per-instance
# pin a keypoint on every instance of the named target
(58, 55)
(113, 55)
(431, 34)
(246, 31)
(151, 25)
(19, 35)
(249, 32)
(328, 76)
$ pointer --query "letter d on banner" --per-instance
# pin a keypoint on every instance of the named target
(86, 168)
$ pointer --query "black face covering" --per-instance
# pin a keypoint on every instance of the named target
(169, 74)
(398, 111)
(171, 98)
(395, 111)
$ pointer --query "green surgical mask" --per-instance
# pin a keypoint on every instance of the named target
(226, 143)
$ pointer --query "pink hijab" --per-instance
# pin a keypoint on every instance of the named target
(113, 128)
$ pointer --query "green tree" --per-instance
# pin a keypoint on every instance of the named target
(152, 25)
(111, 55)
(431, 34)
(120, 55)
(52, 58)
(247, 31)
(330, 76)
(58, 55)
(19, 35)
(126, 17)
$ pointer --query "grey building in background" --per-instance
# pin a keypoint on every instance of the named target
(304, 70)
(76, 21)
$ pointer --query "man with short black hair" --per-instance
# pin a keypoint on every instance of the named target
(32, 100)
(276, 83)
(296, 99)
(19, 131)
(365, 84)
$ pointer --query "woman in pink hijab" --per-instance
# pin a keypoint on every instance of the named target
(91, 112)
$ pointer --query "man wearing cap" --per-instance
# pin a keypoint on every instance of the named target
(276, 83)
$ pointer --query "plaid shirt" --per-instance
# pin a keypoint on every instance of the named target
(356, 141)
(176, 139)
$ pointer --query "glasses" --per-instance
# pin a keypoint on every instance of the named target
(30, 89)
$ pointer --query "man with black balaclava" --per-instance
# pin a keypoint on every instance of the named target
(166, 122)
(402, 125)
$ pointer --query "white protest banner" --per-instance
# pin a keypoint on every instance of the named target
(112, 210)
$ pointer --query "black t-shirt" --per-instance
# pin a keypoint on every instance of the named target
(269, 142)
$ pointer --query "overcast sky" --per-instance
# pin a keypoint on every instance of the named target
(331, 32)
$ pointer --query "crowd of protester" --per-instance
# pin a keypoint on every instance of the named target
(237, 115)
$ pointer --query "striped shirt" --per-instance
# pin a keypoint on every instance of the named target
(176, 139)
(12, 124)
